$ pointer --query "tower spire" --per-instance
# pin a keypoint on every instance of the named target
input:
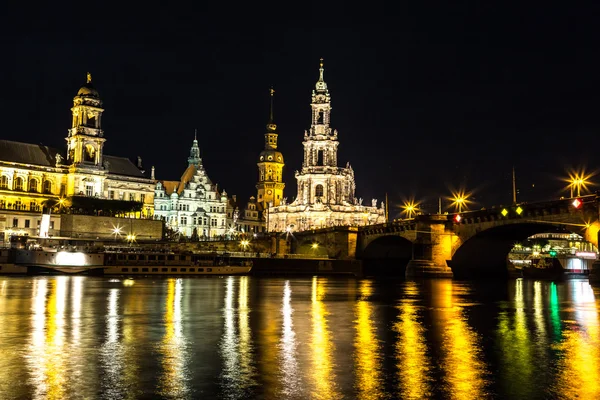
(321, 86)
(89, 78)
(194, 158)
(321, 69)
(271, 92)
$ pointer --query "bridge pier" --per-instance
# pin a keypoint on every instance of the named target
(432, 248)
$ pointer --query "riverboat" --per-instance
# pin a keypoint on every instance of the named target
(31, 258)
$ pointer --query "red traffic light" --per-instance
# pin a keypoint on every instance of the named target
(457, 218)
(577, 203)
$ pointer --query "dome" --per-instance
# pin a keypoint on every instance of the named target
(88, 90)
(270, 156)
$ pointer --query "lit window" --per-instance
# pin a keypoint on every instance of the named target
(19, 183)
(89, 190)
(3, 182)
(47, 187)
(33, 185)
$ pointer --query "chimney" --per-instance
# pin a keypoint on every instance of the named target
(139, 162)
(234, 197)
(152, 173)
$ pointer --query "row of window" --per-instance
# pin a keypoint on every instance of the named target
(19, 184)
(198, 221)
(125, 269)
(27, 223)
(163, 194)
(20, 206)
(122, 196)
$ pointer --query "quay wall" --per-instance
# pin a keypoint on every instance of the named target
(92, 227)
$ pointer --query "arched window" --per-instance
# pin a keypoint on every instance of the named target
(18, 183)
(3, 182)
(33, 185)
(319, 191)
(47, 187)
(90, 153)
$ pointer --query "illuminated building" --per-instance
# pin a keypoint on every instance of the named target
(32, 173)
(270, 182)
(325, 191)
(193, 202)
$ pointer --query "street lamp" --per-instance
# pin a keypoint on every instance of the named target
(410, 208)
(460, 200)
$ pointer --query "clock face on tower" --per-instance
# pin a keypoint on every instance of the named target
(269, 192)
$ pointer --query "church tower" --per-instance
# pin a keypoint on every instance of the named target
(270, 167)
(86, 137)
(320, 143)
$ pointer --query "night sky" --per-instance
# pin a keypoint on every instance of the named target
(426, 97)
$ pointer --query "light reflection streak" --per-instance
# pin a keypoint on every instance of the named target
(173, 382)
(111, 349)
(321, 345)
(515, 345)
(464, 369)
(76, 299)
(540, 321)
(411, 349)
(37, 351)
(47, 356)
(579, 367)
(245, 339)
(367, 359)
(289, 364)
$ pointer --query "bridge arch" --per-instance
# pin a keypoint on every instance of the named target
(484, 254)
(387, 255)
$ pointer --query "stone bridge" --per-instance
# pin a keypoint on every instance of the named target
(468, 244)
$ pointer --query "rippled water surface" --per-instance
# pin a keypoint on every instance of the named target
(302, 338)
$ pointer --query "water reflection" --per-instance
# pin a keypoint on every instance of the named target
(367, 357)
(321, 345)
(111, 352)
(173, 382)
(464, 370)
(516, 345)
(411, 348)
(245, 348)
(289, 364)
(579, 367)
(47, 356)
(236, 347)
(298, 338)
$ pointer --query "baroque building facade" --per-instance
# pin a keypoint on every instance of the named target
(193, 203)
(326, 192)
(30, 174)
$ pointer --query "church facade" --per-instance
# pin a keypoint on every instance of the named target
(326, 192)
(31, 174)
(193, 203)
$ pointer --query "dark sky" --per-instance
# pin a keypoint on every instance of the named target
(426, 96)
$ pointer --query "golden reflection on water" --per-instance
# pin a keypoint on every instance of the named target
(111, 353)
(47, 355)
(289, 364)
(247, 370)
(173, 382)
(579, 367)
(367, 357)
(515, 342)
(411, 349)
(462, 365)
(321, 345)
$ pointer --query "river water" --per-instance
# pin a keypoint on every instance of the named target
(300, 338)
